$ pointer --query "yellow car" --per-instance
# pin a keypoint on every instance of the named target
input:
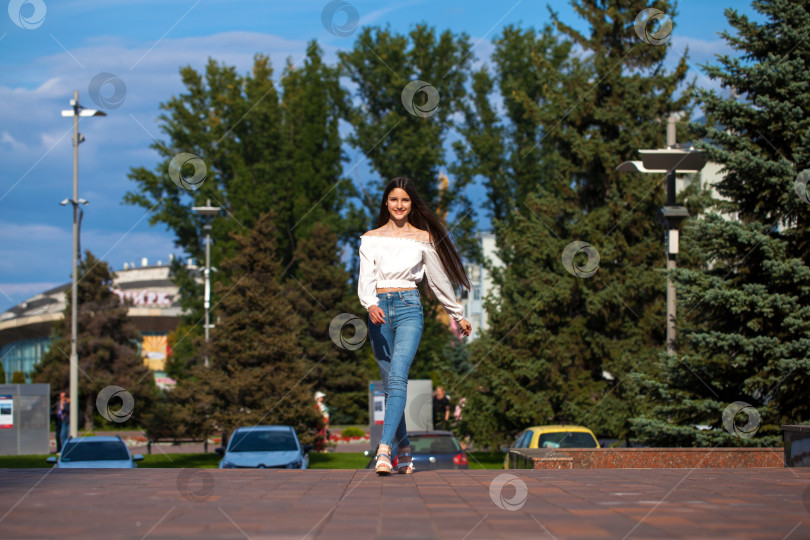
(560, 436)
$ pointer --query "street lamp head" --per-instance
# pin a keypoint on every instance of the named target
(82, 112)
(637, 166)
(685, 161)
(91, 112)
(83, 201)
(64, 202)
(206, 210)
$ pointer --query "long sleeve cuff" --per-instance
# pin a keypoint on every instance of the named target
(441, 285)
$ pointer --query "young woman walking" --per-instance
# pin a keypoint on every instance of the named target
(410, 242)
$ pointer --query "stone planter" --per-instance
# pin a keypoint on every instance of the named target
(643, 458)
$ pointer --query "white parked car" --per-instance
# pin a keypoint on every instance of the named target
(264, 447)
(97, 452)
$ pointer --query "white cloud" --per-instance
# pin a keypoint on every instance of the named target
(16, 145)
(35, 142)
(27, 290)
(700, 50)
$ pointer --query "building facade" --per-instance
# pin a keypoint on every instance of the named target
(25, 329)
(483, 285)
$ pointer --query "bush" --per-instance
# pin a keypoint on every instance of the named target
(18, 377)
(352, 432)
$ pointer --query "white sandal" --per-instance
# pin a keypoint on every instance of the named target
(407, 467)
(382, 468)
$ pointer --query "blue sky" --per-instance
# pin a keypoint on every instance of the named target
(144, 43)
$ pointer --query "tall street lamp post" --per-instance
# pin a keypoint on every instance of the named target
(208, 212)
(685, 159)
(76, 111)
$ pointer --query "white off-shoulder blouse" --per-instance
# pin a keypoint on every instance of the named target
(388, 261)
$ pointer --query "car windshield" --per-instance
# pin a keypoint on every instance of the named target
(94, 451)
(262, 441)
(433, 444)
(566, 439)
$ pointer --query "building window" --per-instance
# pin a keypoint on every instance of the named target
(23, 356)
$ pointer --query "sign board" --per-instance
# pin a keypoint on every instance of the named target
(25, 413)
(154, 351)
(6, 411)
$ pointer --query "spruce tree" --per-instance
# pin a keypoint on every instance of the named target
(323, 291)
(745, 311)
(258, 368)
(106, 345)
(574, 118)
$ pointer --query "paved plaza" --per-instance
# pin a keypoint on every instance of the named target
(337, 504)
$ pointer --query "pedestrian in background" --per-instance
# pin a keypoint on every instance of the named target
(441, 409)
(62, 421)
(459, 429)
(323, 411)
(409, 243)
(458, 410)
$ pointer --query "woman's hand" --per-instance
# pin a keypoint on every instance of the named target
(465, 326)
(376, 314)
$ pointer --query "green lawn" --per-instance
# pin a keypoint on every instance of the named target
(24, 462)
(336, 460)
(486, 460)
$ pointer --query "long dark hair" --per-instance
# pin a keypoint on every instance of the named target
(422, 217)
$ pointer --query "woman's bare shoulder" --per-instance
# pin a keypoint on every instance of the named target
(417, 234)
(423, 236)
(372, 232)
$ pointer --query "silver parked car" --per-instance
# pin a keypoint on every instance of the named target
(97, 452)
(264, 447)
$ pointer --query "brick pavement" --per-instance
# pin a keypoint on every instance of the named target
(470, 505)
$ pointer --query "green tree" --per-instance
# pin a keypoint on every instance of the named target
(263, 149)
(18, 377)
(106, 346)
(572, 118)
(323, 291)
(745, 309)
(258, 368)
(527, 66)
(395, 141)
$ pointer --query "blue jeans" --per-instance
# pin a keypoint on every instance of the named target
(394, 344)
(64, 432)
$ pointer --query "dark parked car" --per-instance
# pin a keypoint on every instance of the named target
(100, 452)
(264, 447)
(432, 450)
